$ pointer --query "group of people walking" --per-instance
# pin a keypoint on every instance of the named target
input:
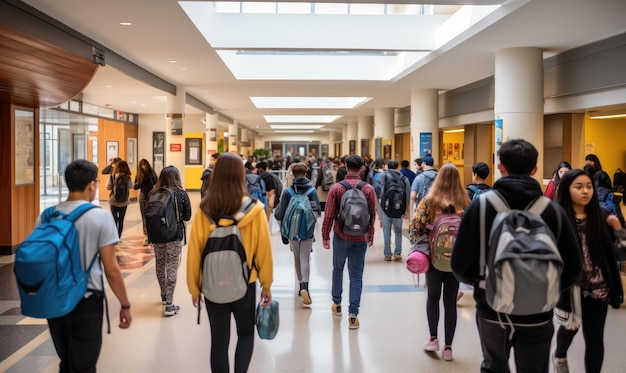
(589, 279)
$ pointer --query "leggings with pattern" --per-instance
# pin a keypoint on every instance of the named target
(167, 259)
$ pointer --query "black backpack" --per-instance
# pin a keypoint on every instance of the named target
(162, 217)
(354, 213)
(394, 200)
(120, 188)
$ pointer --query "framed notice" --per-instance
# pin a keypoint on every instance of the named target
(193, 151)
(365, 146)
(158, 151)
(112, 150)
(352, 146)
(324, 151)
(132, 150)
(24, 147)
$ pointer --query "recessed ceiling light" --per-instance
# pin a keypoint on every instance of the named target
(172, 61)
(296, 126)
(301, 118)
(183, 69)
(108, 86)
(126, 23)
(308, 102)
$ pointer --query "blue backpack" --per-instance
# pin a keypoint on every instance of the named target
(256, 188)
(48, 270)
(299, 220)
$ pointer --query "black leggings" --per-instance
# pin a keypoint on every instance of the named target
(434, 279)
(593, 320)
(118, 215)
(219, 318)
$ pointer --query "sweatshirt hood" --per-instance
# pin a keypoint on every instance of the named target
(518, 190)
(301, 184)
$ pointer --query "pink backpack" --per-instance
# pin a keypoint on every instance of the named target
(442, 236)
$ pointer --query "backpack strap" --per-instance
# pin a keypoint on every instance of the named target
(539, 205)
(473, 188)
(79, 211)
(291, 191)
(499, 203)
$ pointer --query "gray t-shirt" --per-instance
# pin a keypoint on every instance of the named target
(96, 229)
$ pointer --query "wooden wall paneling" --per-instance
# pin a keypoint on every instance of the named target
(6, 177)
(36, 73)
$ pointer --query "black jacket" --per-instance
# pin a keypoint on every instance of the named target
(519, 191)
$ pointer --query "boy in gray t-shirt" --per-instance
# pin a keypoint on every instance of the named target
(97, 234)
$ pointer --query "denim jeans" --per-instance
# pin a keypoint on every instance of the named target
(354, 252)
(396, 223)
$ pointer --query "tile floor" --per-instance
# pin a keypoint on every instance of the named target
(310, 339)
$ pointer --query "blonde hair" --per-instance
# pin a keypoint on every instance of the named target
(447, 193)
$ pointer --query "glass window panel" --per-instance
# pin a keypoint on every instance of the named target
(367, 9)
(294, 8)
(327, 8)
(258, 8)
(227, 7)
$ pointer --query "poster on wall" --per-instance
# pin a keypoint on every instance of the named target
(444, 153)
(112, 150)
(387, 152)
(457, 151)
(158, 151)
(426, 143)
(324, 150)
(352, 147)
(24, 147)
(193, 148)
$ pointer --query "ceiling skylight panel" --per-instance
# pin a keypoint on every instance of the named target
(301, 118)
(308, 102)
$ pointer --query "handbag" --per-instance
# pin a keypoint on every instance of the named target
(267, 320)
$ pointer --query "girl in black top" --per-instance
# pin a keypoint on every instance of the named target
(599, 285)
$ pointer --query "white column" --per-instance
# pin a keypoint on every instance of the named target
(424, 123)
(233, 139)
(176, 117)
(384, 130)
(211, 135)
(365, 132)
(518, 105)
(344, 140)
(244, 140)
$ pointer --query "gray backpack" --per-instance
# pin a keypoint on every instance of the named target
(354, 213)
(522, 269)
(225, 270)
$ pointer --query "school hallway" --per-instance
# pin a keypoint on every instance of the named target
(310, 339)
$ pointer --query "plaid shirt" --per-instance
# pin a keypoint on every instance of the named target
(333, 203)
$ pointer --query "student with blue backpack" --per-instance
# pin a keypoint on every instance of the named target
(435, 223)
(480, 172)
(298, 212)
(76, 335)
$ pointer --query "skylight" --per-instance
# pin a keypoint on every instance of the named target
(327, 41)
(301, 118)
(296, 126)
(308, 102)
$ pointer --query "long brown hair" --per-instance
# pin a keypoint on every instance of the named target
(227, 187)
(447, 191)
(169, 178)
(148, 172)
(121, 167)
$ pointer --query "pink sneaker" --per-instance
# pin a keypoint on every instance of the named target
(431, 345)
(446, 354)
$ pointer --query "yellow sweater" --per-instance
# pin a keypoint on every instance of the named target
(256, 241)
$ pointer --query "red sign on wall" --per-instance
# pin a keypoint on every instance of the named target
(176, 147)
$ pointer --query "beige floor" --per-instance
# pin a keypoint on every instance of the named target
(311, 339)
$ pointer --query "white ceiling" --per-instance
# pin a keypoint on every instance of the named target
(161, 32)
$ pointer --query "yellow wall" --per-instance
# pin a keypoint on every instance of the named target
(608, 137)
(453, 138)
(192, 174)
